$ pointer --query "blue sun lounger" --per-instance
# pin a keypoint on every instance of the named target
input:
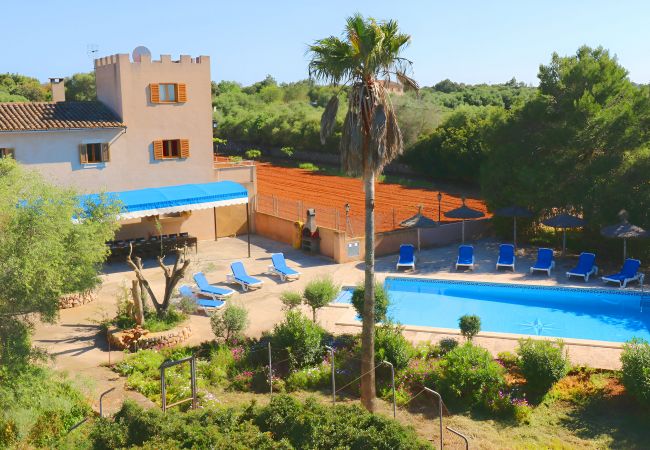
(628, 274)
(545, 261)
(586, 267)
(465, 257)
(506, 256)
(279, 267)
(207, 289)
(202, 303)
(240, 277)
(406, 256)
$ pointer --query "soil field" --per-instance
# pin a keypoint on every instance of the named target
(288, 192)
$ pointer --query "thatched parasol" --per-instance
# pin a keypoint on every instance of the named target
(624, 230)
(564, 221)
(419, 221)
(464, 212)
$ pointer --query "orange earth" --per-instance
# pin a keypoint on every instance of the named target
(289, 191)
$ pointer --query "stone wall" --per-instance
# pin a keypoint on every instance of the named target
(123, 339)
(77, 299)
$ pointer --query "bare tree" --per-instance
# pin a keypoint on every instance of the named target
(173, 276)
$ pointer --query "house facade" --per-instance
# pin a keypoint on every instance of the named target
(150, 127)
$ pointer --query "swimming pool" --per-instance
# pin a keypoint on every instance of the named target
(597, 314)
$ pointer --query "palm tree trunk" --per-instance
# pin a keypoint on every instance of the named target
(368, 332)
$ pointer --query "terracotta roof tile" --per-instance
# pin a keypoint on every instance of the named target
(33, 116)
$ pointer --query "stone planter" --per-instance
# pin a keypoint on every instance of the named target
(77, 299)
(140, 339)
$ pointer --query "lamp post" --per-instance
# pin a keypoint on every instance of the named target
(348, 225)
(439, 200)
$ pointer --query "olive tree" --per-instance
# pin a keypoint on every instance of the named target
(51, 244)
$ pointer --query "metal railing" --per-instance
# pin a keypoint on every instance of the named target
(163, 387)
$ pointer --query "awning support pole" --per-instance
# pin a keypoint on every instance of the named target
(248, 229)
(215, 223)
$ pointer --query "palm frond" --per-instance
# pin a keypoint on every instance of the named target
(328, 119)
(406, 81)
(378, 133)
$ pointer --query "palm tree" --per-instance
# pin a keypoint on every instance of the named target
(368, 53)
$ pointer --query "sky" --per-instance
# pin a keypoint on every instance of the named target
(466, 41)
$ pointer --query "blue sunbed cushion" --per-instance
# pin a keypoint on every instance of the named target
(186, 291)
(206, 303)
(465, 254)
(629, 270)
(239, 272)
(406, 254)
(506, 254)
(585, 263)
(205, 286)
(544, 258)
(280, 264)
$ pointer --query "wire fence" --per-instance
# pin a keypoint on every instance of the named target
(351, 222)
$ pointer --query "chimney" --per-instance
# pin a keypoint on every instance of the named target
(58, 89)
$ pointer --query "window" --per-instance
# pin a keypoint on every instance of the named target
(168, 92)
(93, 153)
(171, 149)
(6, 153)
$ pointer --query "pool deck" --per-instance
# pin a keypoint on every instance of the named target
(75, 341)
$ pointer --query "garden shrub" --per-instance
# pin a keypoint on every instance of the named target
(635, 371)
(291, 300)
(37, 407)
(319, 293)
(542, 363)
(447, 345)
(470, 376)
(229, 323)
(300, 339)
(285, 423)
(287, 151)
(317, 377)
(313, 425)
(382, 301)
(469, 325)
(392, 346)
(508, 359)
(308, 166)
(252, 153)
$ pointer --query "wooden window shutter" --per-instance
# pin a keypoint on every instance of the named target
(154, 92)
(83, 154)
(157, 149)
(106, 156)
(185, 148)
(181, 95)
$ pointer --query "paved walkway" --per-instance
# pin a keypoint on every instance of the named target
(78, 348)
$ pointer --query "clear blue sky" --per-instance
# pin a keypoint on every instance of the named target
(467, 41)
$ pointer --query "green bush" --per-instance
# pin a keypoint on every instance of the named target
(447, 345)
(382, 301)
(300, 339)
(320, 292)
(318, 377)
(229, 323)
(635, 371)
(252, 154)
(290, 300)
(312, 425)
(469, 325)
(392, 346)
(284, 424)
(308, 166)
(287, 151)
(470, 376)
(542, 363)
(37, 407)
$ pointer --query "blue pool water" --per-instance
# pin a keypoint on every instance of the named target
(598, 314)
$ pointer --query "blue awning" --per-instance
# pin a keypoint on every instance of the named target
(172, 199)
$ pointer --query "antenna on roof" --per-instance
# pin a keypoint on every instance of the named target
(139, 52)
